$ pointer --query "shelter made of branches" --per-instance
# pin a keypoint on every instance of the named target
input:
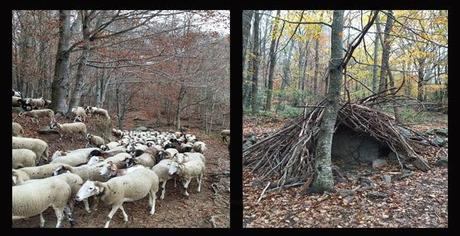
(288, 155)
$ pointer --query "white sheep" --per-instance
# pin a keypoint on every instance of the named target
(170, 152)
(17, 129)
(199, 147)
(16, 93)
(86, 172)
(73, 158)
(19, 177)
(97, 111)
(34, 198)
(94, 140)
(38, 146)
(130, 187)
(79, 112)
(112, 145)
(75, 182)
(189, 156)
(36, 114)
(162, 171)
(69, 128)
(37, 103)
(119, 158)
(95, 160)
(110, 170)
(147, 158)
(187, 171)
(23, 158)
(115, 151)
(37, 172)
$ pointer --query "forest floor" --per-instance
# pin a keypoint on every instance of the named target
(417, 200)
(207, 209)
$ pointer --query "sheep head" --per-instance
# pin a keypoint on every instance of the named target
(88, 189)
(60, 170)
(174, 168)
(108, 169)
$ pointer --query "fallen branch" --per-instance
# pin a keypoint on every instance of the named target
(263, 192)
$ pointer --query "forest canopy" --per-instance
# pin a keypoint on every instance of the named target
(292, 52)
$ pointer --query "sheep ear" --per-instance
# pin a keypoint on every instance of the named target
(113, 167)
(99, 186)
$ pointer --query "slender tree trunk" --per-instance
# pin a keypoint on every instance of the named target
(79, 78)
(181, 96)
(247, 17)
(421, 78)
(383, 85)
(287, 68)
(60, 83)
(315, 76)
(272, 55)
(376, 49)
(385, 60)
(303, 70)
(255, 64)
(407, 87)
(324, 180)
(117, 99)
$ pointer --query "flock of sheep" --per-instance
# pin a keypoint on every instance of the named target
(113, 172)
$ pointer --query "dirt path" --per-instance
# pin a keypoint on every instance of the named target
(205, 209)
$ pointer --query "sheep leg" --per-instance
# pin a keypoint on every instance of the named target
(111, 213)
(164, 190)
(125, 216)
(153, 197)
(175, 182)
(198, 179)
(42, 221)
(59, 215)
(86, 144)
(187, 182)
(68, 212)
(86, 205)
(96, 203)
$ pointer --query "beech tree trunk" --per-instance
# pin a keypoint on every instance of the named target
(255, 64)
(247, 17)
(79, 79)
(376, 49)
(60, 83)
(324, 180)
(272, 55)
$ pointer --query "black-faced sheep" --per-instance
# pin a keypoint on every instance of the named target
(225, 134)
(17, 101)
